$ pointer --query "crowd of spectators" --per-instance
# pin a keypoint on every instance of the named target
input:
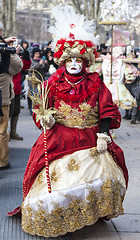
(16, 61)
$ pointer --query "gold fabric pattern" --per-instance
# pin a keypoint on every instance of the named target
(106, 202)
(123, 106)
(94, 152)
(123, 93)
(40, 178)
(73, 165)
(55, 175)
(85, 117)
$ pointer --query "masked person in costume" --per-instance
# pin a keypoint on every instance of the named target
(121, 72)
(87, 169)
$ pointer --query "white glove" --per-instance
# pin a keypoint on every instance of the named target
(102, 142)
(48, 124)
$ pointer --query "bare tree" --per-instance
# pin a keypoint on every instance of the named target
(89, 8)
(134, 19)
(8, 16)
(41, 4)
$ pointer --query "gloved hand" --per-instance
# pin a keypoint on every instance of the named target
(102, 141)
(48, 124)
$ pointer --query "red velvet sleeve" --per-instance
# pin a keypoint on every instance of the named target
(107, 108)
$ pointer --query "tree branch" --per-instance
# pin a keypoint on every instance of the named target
(77, 6)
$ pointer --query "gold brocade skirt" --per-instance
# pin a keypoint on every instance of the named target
(121, 96)
(85, 186)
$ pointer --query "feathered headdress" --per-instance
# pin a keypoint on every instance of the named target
(73, 35)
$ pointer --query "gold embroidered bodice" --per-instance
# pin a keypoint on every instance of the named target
(83, 117)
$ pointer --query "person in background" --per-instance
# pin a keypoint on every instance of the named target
(15, 103)
(135, 114)
(24, 53)
(103, 49)
(122, 72)
(4, 66)
(49, 44)
(24, 44)
(48, 55)
(133, 87)
(38, 63)
(35, 45)
(44, 48)
(40, 66)
(1, 113)
(6, 86)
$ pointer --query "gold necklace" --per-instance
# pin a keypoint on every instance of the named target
(73, 84)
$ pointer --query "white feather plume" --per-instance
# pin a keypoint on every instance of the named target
(68, 21)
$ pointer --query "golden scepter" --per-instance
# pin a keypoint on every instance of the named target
(39, 97)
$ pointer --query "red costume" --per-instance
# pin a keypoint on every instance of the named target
(87, 169)
(63, 140)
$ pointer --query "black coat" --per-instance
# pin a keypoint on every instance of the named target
(4, 66)
(1, 113)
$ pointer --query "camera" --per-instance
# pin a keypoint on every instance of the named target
(5, 49)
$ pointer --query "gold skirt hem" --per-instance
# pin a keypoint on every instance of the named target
(79, 212)
(71, 231)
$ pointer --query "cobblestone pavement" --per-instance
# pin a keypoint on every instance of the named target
(125, 227)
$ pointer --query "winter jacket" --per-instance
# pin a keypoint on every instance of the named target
(6, 84)
(41, 68)
(4, 66)
(17, 77)
(5, 62)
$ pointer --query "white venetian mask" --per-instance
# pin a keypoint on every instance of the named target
(74, 65)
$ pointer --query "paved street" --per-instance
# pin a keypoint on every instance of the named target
(125, 227)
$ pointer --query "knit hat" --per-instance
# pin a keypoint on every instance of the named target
(35, 45)
(36, 49)
(73, 35)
